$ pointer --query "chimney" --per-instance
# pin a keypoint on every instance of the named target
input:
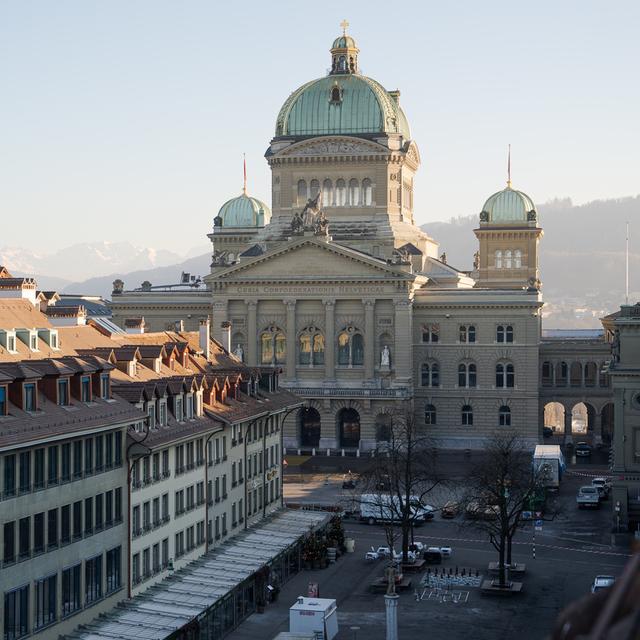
(204, 337)
(226, 335)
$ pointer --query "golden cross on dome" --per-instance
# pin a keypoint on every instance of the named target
(344, 24)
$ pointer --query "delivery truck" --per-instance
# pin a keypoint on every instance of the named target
(314, 615)
(549, 465)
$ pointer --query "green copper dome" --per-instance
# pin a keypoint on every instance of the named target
(508, 205)
(344, 42)
(243, 211)
(341, 104)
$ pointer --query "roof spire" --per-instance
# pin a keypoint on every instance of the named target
(344, 24)
(244, 162)
(509, 169)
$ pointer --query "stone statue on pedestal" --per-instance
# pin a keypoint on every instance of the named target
(239, 352)
(385, 356)
(390, 574)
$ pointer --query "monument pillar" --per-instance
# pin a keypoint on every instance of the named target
(391, 610)
(370, 339)
(291, 339)
(252, 333)
(329, 339)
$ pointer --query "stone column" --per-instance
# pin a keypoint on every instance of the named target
(290, 303)
(329, 339)
(252, 333)
(401, 355)
(369, 339)
(220, 315)
(568, 435)
(391, 609)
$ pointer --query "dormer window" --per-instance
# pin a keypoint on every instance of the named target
(163, 414)
(29, 396)
(85, 389)
(11, 344)
(54, 340)
(3, 401)
(33, 342)
(336, 95)
(63, 392)
(104, 386)
(179, 409)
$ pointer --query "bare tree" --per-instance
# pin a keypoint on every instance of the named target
(500, 487)
(399, 480)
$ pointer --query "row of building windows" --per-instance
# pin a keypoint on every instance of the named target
(345, 193)
(45, 531)
(37, 469)
(154, 560)
(467, 333)
(468, 375)
(150, 515)
(576, 374)
(466, 415)
(102, 576)
(508, 259)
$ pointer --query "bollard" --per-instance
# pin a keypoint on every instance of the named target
(298, 451)
(343, 453)
(357, 453)
(328, 452)
(313, 451)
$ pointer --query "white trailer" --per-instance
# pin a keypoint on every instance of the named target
(314, 615)
(549, 464)
(386, 508)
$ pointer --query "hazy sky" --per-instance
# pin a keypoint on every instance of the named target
(127, 119)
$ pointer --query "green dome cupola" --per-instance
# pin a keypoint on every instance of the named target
(508, 206)
(243, 211)
(342, 103)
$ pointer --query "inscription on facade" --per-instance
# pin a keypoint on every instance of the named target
(298, 290)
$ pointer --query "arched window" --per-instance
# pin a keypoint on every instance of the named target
(467, 415)
(314, 188)
(354, 192)
(507, 259)
(341, 193)
(335, 95)
(430, 374)
(467, 333)
(430, 333)
(327, 193)
(590, 374)
(273, 346)
(311, 346)
(505, 375)
(367, 193)
(498, 259)
(430, 414)
(517, 259)
(575, 374)
(562, 374)
(302, 192)
(504, 333)
(467, 375)
(350, 347)
(504, 416)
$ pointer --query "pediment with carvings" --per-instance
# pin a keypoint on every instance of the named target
(334, 147)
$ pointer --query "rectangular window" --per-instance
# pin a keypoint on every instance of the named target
(16, 613)
(146, 470)
(155, 466)
(146, 515)
(30, 396)
(99, 451)
(38, 469)
(93, 579)
(135, 569)
(77, 520)
(156, 557)
(52, 528)
(25, 471)
(117, 446)
(109, 451)
(38, 532)
(88, 456)
(85, 388)
(99, 514)
(104, 386)
(163, 414)
(65, 524)
(135, 520)
(24, 530)
(146, 562)
(3, 401)
(77, 459)
(165, 506)
(108, 502)
(63, 392)
(165, 462)
(52, 474)
(10, 475)
(71, 590)
(118, 504)
(65, 463)
(9, 543)
(165, 552)
(45, 601)
(114, 572)
(190, 498)
(88, 516)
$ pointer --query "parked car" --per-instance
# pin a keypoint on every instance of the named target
(588, 497)
(371, 556)
(417, 547)
(477, 510)
(603, 486)
(602, 582)
(450, 510)
(583, 449)
(547, 432)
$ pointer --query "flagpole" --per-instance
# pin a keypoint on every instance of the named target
(626, 288)
(244, 163)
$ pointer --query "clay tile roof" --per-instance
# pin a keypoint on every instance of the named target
(100, 363)
(19, 371)
(66, 311)
(131, 392)
(52, 367)
(149, 350)
(80, 365)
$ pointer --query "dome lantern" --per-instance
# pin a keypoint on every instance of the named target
(344, 53)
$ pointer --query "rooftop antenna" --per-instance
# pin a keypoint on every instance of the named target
(244, 162)
(626, 283)
(509, 168)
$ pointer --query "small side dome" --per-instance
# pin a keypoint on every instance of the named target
(508, 206)
(243, 211)
(344, 42)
